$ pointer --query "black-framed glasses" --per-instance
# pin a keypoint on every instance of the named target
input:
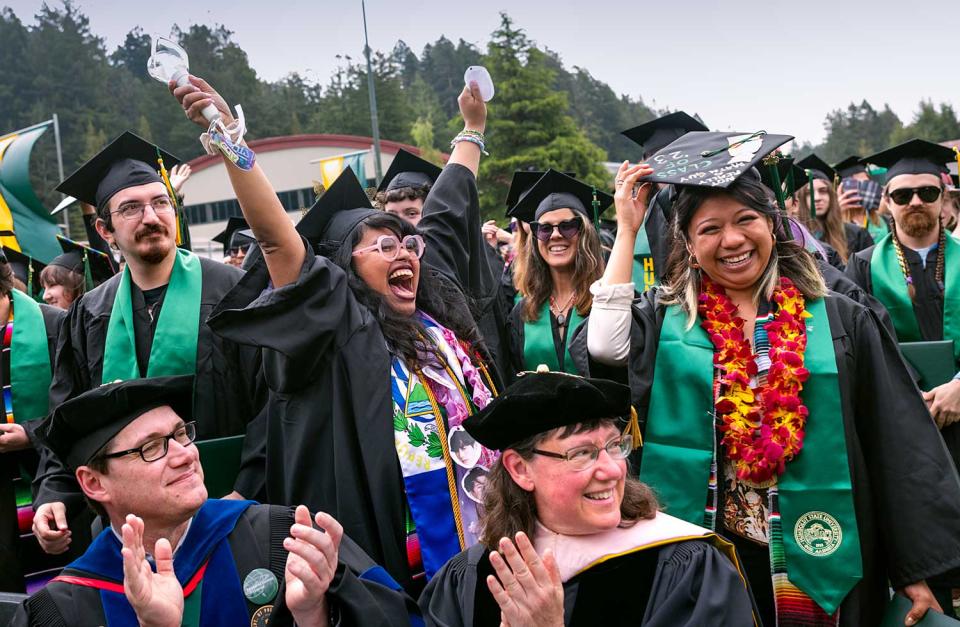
(152, 450)
(583, 457)
(903, 196)
(134, 210)
(568, 229)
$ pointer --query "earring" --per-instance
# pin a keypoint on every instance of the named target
(693, 263)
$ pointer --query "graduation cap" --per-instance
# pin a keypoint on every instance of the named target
(656, 134)
(710, 159)
(93, 264)
(783, 166)
(521, 183)
(818, 167)
(850, 166)
(337, 213)
(408, 170)
(537, 402)
(913, 157)
(236, 234)
(556, 190)
(79, 428)
(127, 161)
(25, 268)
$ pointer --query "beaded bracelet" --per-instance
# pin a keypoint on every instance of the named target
(474, 137)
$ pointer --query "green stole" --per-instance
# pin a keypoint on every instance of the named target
(890, 288)
(30, 371)
(538, 345)
(877, 231)
(644, 273)
(174, 349)
(821, 540)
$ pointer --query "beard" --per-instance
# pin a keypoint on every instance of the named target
(917, 223)
(158, 248)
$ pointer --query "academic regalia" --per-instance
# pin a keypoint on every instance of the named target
(27, 269)
(327, 438)
(857, 238)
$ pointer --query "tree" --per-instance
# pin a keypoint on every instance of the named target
(860, 130)
(930, 124)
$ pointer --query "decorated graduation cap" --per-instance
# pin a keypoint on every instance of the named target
(656, 134)
(408, 170)
(25, 268)
(127, 161)
(913, 157)
(93, 264)
(555, 190)
(711, 159)
(819, 168)
(850, 166)
(235, 235)
(79, 428)
(335, 215)
(537, 402)
(522, 182)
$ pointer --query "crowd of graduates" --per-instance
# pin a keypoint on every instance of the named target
(735, 401)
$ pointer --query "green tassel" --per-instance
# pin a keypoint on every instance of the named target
(813, 206)
(771, 162)
(595, 205)
(88, 283)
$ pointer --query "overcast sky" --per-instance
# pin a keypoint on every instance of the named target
(741, 65)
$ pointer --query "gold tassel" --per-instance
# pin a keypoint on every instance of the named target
(173, 195)
(633, 428)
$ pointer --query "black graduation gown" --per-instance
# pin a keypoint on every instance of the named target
(858, 238)
(229, 390)
(11, 574)
(906, 492)
(685, 583)
(256, 542)
(326, 438)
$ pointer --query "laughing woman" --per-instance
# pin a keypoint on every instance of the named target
(370, 351)
(775, 412)
(561, 260)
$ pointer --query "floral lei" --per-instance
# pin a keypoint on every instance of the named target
(760, 437)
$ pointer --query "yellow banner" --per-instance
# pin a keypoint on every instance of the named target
(6, 218)
(330, 169)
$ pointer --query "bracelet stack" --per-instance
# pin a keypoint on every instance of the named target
(474, 137)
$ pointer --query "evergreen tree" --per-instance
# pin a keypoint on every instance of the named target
(930, 124)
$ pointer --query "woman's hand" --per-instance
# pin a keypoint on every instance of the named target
(472, 108)
(849, 200)
(631, 203)
(196, 95)
(527, 589)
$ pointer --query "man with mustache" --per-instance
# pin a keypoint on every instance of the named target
(147, 321)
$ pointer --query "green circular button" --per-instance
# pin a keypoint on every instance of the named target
(260, 586)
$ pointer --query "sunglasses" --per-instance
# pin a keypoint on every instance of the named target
(568, 229)
(389, 246)
(903, 196)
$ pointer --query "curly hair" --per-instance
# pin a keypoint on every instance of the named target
(509, 509)
(436, 297)
(400, 194)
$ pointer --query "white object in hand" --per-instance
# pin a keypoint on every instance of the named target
(169, 62)
(479, 75)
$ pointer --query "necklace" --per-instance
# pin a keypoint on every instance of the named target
(561, 313)
(905, 267)
(763, 428)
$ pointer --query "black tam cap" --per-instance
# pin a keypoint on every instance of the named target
(555, 190)
(522, 182)
(79, 428)
(21, 265)
(74, 253)
(708, 159)
(127, 161)
(913, 157)
(408, 170)
(850, 166)
(663, 131)
(818, 167)
(540, 401)
(235, 235)
(335, 215)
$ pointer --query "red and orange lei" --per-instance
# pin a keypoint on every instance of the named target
(760, 437)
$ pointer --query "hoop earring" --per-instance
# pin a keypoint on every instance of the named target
(693, 263)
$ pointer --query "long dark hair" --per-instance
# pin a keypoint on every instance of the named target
(788, 258)
(436, 296)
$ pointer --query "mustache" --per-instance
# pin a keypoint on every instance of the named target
(151, 229)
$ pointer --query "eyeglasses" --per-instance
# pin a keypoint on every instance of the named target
(903, 196)
(583, 457)
(568, 229)
(134, 210)
(389, 246)
(155, 449)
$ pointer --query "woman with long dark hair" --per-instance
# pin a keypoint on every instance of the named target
(775, 412)
(562, 258)
(371, 353)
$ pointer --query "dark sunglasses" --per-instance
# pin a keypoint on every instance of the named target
(568, 229)
(903, 196)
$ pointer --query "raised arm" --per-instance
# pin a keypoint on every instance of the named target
(282, 247)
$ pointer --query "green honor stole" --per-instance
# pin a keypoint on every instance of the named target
(820, 540)
(890, 288)
(644, 273)
(174, 349)
(30, 371)
(538, 345)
